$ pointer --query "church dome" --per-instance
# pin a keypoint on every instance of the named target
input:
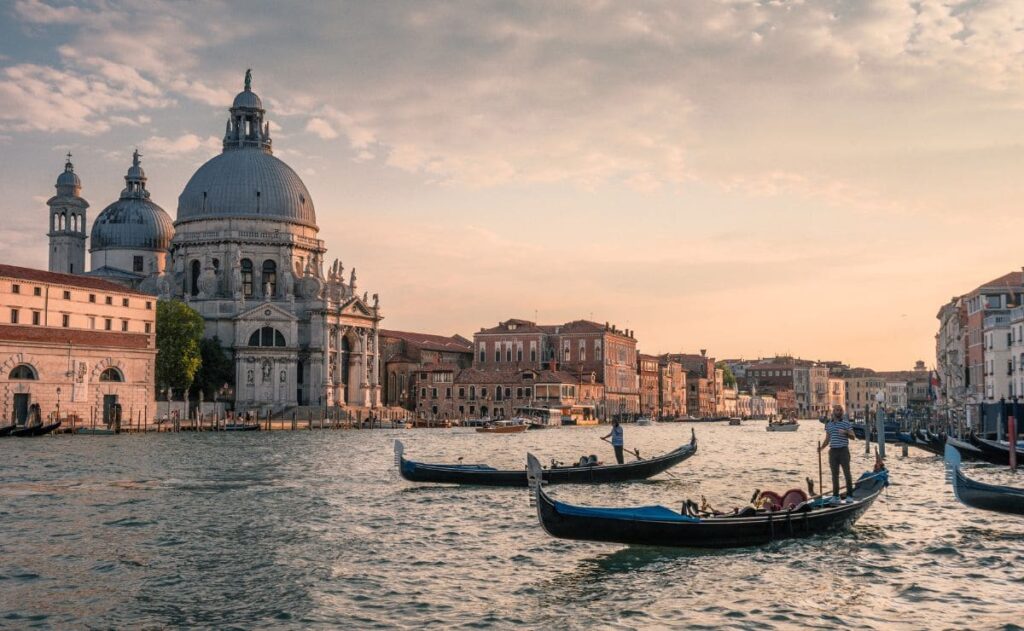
(246, 183)
(68, 181)
(133, 222)
(246, 180)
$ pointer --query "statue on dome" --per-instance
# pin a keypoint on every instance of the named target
(248, 79)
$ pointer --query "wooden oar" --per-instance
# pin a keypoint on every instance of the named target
(636, 454)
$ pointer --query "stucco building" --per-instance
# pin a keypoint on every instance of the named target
(405, 355)
(74, 345)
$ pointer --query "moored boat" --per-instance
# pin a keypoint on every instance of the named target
(661, 526)
(783, 426)
(241, 427)
(35, 430)
(95, 431)
(7, 429)
(994, 451)
(991, 497)
(735, 421)
(504, 427)
(483, 475)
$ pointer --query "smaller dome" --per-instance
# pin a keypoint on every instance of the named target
(68, 179)
(132, 224)
(247, 99)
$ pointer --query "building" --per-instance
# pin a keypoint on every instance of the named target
(998, 371)
(701, 383)
(404, 355)
(951, 360)
(78, 347)
(995, 297)
(246, 255)
(580, 348)
(836, 392)
(862, 389)
(650, 394)
(672, 387)
(810, 383)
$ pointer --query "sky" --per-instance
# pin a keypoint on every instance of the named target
(810, 178)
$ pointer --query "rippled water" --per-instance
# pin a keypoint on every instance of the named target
(315, 529)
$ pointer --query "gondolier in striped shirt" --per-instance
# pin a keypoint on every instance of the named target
(838, 432)
(616, 436)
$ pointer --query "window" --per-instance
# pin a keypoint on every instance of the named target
(124, 302)
(483, 351)
(92, 322)
(15, 288)
(149, 305)
(533, 355)
(194, 276)
(519, 353)
(35, 318)
(65, 321)
(92, 297)
(149, 327)
(124, 325)
(23, 371)
(111, 374)
(136, 263)
(269, 278)
(472, 393)
(423, 393)
(497, 354)
(14, 316)
(247, 278)
(267, 336)
(108, 324)
(447, 393)
(433, 393)
(497, 394)
(483, 393)
(110, 300)
(37, 291)
(519, 393)
(67, 295)
(462, 393)
(528, 392)
(508, 354)
(583, 351)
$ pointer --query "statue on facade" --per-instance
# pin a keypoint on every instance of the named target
(268, 293)
(266, 371)
(376, 301)
(236, 276)
(287, 280)
(352, 282)
(250, 377)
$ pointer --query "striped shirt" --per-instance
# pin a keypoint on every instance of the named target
(836, 430)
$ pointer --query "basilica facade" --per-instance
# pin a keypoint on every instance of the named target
(244, 252)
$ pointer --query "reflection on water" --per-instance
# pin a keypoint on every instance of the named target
(315, 529)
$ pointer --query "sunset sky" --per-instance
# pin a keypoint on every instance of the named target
(813, 178)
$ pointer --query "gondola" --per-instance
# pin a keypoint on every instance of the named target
(967, 450)
(916, 440)
(891, 429)
(96, 431)
(7, 429)
(661, 526)
(1001, 499)
(35, 430)
(994, 452)
(484, 475)
(241, 427)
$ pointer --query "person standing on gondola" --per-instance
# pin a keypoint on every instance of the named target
(616, 436)
(838, 432)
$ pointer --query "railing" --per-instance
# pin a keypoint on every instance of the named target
(283, 237)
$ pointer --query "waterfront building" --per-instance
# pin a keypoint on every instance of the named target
(862, 387)
(649, 377)
(498, 393)
(995, 297)
(836, 392)
(701, 383)
(998, 369)
(810, 383)
(579, 347)
(672, 387)
(728, 404)
(404, 355)
(951, 360)
(76, 346)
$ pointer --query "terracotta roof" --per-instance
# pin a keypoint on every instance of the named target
(1013, 279)
(522, 326)
(454, 343)
(71, 280)
(576, 326)
(76, 337)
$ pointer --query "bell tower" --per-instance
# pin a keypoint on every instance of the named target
(67, 223)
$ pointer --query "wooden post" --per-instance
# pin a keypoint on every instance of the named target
(880, 428)
(293, 421)
(1011, 435)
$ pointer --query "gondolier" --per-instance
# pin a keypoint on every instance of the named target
(838, 432)
(616, 436)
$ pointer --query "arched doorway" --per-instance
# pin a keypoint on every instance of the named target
(344, 359)
(22, 400)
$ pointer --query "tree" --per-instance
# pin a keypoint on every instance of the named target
(179, 328)
(216, 369)
(728, 379)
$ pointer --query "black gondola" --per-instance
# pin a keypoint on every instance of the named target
(484, 475)
(923, 440)
(661, 526)
(994, 452)
(967, 450)
(7, 429)
(35, 430)
(241, 427)
(1001, 499)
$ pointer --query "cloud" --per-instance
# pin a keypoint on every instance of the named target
(321, 128)
(186, 144)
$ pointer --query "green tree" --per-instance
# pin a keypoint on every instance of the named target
(216, 369)
(179, 329)
(728, 379)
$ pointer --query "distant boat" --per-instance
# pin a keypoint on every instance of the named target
(95, 431)
(735, 421)
(783, 426)
(504, 427)
(644, 421)
(35, 430)
(241, 427)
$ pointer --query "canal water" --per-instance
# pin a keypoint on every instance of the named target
(315, 529)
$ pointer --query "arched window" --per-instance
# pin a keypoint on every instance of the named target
(267, 336)
(111, 374)
(23, 371)
(346, 354)
(195, 278)
(269, 277)
(247, 278)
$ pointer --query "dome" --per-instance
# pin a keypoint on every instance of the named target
(247, 98)
(246, 183)
(132, 224)
(68, 182)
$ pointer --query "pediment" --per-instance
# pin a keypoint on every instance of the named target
(356, 306)
(266, 312)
